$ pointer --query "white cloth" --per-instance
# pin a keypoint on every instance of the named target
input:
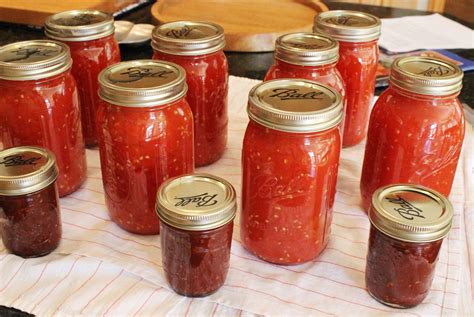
(100, 269)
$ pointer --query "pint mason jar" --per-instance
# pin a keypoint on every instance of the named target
(408, 224)
(197, 218)
(30, 219)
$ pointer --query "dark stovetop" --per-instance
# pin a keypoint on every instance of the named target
(252, 65)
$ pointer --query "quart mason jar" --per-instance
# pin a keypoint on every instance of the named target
(145, 130)
(198, 48)
(39, 106)
(307, 56)
(416, 128)
(90, 37)
(290, 160)
(357, 34)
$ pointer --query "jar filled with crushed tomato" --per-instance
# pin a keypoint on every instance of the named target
(307, 56)
(89, 34)
(416, 128)
(145, 130)
(196, 213)
(408, 224)
(29, 202)
(39, 106)
(197, 47)
(357, 34)
(290, 160)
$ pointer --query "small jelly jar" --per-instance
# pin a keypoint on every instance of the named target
(196, 217)
(29, 202)
(408, 224)
(290, 159)
(197, 47)
(39, 106)
(357, 34)
(145, 130)
(307, 56)
(416, 128)
(90, 37)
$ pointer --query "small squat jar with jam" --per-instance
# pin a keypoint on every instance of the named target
(29, 202)
(408, 224)
(196, 217)
(90, 37)
(197, 47)
(416, 128)
(307, 56)
(357, 34)
(39, 106)
(145, 130)
(290, 159)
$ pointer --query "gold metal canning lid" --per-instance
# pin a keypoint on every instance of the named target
(306, 49)
(295, 105)
(79, 25)
(348, 26)
(188, 38)
(142, 83)
(426, 75)
(411, 213)
(25, 170)
(32, 60)
(196, 202)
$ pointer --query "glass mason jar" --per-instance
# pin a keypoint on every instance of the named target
(196, 213)
(357, 34)
(408, 224)
(29, 202)
(307, 56)
(39, 106)
(145, 133)
(416, 128)
(197, 47)
(290, 159)
(90, 37)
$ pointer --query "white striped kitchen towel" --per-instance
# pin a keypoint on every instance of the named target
(101, 270)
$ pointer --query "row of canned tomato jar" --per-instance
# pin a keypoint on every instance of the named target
(291, 148)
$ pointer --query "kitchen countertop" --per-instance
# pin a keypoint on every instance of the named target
(252, 65)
